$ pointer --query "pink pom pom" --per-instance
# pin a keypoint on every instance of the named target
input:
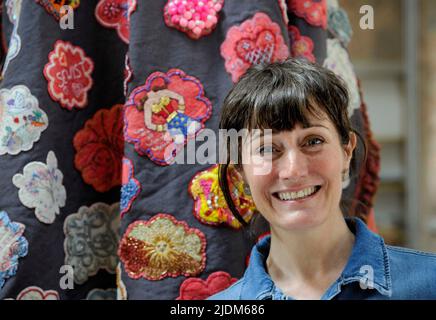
(183, 22)
(197, 31)
(191, 24)
(209, 24)
(175, 19)
(188, 15)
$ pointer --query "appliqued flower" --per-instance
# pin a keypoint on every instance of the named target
(121, 287)
(13, 246)
(313, 11)
(68, 73)
(196, 18)
(101, 294)
(162, 247)
(257, 40)
(40, 187)
(209, 204)
(198, 289)
(54, 6)
(91, 240)
(161, 115)
(21, 120)
(13, 9)
(99, 149)
(284, 9)
(338, 23)
(339, 62)
(36, 293)
(116, 14)
(301, 46)
(130, 188)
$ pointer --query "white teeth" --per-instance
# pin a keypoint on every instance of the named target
(286, 196)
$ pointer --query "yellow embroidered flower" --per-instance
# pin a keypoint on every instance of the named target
(210, 206)
(162, 247)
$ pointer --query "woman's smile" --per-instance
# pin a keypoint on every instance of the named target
(298, 196)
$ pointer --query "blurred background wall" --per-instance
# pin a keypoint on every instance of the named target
(396, 62)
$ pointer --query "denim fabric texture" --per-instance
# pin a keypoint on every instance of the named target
(374, 271)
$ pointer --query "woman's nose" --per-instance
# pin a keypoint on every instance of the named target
(293, 166)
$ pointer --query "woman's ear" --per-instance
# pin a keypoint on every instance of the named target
(350, 146)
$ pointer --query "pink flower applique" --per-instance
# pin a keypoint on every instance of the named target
(301, 46)
(257, 40)
(161, 115)
(313, 11)
(116, 14)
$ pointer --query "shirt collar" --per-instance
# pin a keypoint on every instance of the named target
(368, 264)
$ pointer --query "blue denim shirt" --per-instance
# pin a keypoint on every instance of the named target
(373, 271)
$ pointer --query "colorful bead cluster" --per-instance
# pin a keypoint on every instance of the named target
(196, 18)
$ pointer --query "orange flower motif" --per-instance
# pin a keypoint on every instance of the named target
(99, 146)
(210, 206)
(162, 247)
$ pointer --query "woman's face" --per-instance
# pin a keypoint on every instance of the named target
(304, 184)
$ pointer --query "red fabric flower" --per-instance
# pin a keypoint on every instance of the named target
(68, 73)
(255, 41)
(198, 289)
(301, 46)
(313, 11)
(165, 112)
(99, 149)
(116, 14)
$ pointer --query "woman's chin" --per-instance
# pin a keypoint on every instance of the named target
(297, 220)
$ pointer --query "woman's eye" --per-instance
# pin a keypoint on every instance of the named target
(312, 142)
(266, 150)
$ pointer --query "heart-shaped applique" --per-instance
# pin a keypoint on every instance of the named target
(256, 40)
(257, 51)
(198, 289)
(196, 18)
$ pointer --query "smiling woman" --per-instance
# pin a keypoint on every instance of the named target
(318, 249)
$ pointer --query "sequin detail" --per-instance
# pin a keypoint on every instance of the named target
(209, 204)
(162, 247)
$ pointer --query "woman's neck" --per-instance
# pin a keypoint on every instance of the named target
(305, 263)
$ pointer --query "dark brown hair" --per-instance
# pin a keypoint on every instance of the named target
(279, 96)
